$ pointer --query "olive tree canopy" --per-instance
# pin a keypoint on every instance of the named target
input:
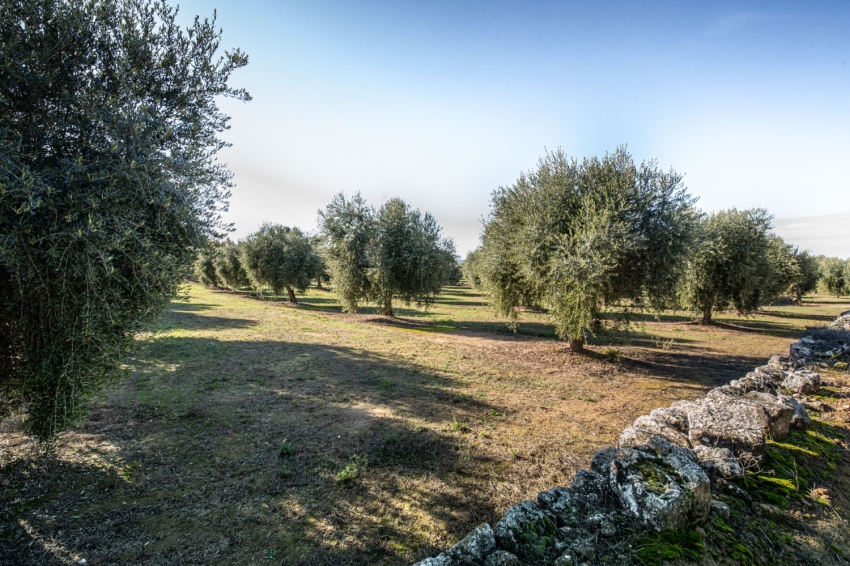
(573, 236)
(109, 128)
(280, 258)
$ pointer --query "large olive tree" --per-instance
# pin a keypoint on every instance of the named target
(109, 130)
(576, 236)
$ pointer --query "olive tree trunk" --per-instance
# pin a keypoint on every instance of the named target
(291, 293)
(576, 344)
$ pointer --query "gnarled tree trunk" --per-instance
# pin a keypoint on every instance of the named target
(576, 344)
(291, 293)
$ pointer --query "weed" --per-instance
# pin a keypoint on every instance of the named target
(459, 426)
(385, 383)
(353, 471)
(286, 449)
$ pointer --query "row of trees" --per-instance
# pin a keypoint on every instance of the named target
(605, 234)
(834, 275)
(274, 257)
(372, 256)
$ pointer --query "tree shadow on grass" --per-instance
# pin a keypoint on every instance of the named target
(377, 448)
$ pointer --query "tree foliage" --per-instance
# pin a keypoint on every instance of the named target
(730, 264)
(471, 269)
(109, 129)
(808, 274)
(834, 275)
(374, 256)
(205, 267)
(280, 258)
(573, 236)
(228, 266)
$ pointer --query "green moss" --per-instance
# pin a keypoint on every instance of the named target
(536, 537)
(656, 474)
(669, 545)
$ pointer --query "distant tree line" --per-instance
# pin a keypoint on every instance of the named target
(370, 256)
(596, 240)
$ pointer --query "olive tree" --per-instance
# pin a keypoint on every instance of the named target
(205, 268)
(574, 237)
(109, 131)
(280, 258)
(833, 275)
(730, 263)
(471, 269)
(808, 275)
(228, 266)
(375, 256)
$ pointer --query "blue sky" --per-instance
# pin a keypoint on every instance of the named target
(441, 102)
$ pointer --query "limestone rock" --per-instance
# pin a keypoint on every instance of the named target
(802, 381)
(440, 560)
(779, 415)
(601, 461)
(645, 428)
(755, 381)
(473, 548)
(720, 461)
(526, 532)
(566, 559)
(557, 502)
(720, 509)
(661, 485)
(801, 417)
(728, 422)
(591, 490)
(502, 558)
(675, 417)
(774, 371)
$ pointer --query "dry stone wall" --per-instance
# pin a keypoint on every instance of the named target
(660, 476)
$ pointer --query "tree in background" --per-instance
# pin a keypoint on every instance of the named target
(228, 266)
(109, 131)
(470, 268)
(576, 236)
(833, 275)
(783, 270)
(280, 258)
(376, 256)
(347, 227)
(730, 263)
(205, 269)
(808, 275)
(318, 270)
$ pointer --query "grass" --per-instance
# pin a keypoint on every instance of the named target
(452, 418)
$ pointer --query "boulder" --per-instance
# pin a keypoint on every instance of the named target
(755, 381)
(719, 461)
(502, 558)
(779, 415)
(591, 490)
(661, 485)
(674, 416)
(646, 427)
(720, 509)
(802, 382)
(774, 371)
(557, 503)
(474, 547)
(728, 422)
(801, 418)
(526, 532)
(601, 461)
(440, 560)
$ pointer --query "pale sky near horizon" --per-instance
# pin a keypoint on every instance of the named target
(441, 102)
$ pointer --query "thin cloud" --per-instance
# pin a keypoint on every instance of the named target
(734, 22)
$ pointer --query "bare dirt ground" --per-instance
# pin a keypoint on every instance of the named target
(253, 432)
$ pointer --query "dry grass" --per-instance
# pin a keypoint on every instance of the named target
(401, 435)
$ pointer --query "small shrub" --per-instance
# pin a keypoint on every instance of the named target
(286, 449)
(459, 426)
(352, 472)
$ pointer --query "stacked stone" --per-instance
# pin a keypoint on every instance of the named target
(660, 476)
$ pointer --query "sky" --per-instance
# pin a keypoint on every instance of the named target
(441, 102)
